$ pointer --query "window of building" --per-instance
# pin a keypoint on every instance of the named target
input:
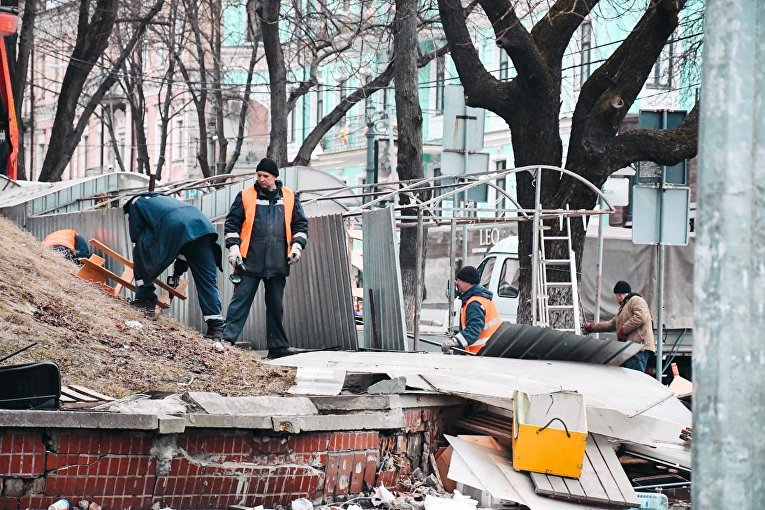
(501, 184)
(585, 52)
(440, 80)
(292, 127)
(178, 140)
(504, 65)
(661, 75)
(319, 103)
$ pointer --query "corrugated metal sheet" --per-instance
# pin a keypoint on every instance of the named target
(108, 226)
(386, 328)
(522, 341)
(318, 309)
(66, 196)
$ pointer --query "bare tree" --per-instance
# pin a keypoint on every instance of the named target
(409, 122)
(94, 28)
(530, 103)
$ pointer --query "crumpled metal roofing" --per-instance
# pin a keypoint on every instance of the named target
(522, 341)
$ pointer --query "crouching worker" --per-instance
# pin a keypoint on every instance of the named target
(479, 318)
(68, 243)
(164, 229)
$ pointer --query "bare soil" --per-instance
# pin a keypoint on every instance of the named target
(83, 329)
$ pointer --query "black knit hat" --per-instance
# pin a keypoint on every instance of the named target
(469, 274)
(622, 287)
(268, 165)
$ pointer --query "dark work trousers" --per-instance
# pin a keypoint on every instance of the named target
(201, 261)
(241, 302)
(638, 362)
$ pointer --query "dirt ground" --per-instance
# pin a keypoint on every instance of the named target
(83, 330)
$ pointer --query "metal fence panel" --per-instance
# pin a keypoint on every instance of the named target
(522, 341)
(318, 308)
(384, 325)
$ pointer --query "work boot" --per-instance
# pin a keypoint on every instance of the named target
(147, 306)
(215, 329)
(280, 352)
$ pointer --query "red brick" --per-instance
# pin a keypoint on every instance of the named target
(370, 470)
(357, 472)
(31, 502)
(344, 469)
(8, 503)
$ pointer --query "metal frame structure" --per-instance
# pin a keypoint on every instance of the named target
(413, 212)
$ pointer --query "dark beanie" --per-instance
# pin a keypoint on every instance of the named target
(469, 274)
(622, 287)
(268, 165)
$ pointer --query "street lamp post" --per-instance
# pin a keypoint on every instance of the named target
(371, 134)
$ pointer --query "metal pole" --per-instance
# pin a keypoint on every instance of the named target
(370, 152)
(452, 256)
(465, 214)
(535, 244)
(599, 279)
(729, 279)
(418, 280)
(660, 314)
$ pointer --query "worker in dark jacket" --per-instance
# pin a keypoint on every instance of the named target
(266, 232)
(164, 229)
(68, 243)
(479, 318)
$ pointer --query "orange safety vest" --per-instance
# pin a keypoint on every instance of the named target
(250, 203)
(65, 238)
(491, 324)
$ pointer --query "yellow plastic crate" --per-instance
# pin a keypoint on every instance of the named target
(549, 433)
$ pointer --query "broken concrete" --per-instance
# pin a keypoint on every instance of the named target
(213, 403)
(388, 387)
(77, 420)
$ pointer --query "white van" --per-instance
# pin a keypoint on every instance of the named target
(500, 271)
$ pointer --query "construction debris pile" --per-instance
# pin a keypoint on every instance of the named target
(549, 431)
(102, 343)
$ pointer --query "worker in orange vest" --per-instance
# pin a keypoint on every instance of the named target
(68, 243)
(479, 318)
(266, 231)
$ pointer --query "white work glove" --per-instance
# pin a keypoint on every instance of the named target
(456, 341)
(295, 253)
(234, 255)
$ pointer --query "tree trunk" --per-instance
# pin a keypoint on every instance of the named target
(19, 49)
(409, 121)
(92, 40)
(277, 75)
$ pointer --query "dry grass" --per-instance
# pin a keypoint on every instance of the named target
(83, 330)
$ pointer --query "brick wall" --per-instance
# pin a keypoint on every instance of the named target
(205, 469)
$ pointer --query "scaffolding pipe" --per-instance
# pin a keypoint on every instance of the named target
(418, 280)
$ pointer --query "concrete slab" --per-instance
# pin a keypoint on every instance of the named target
(388, 386)
(227, 421)
(351, 403)
(213, 403)
(393, 419)
(172, 425)
(78, 420)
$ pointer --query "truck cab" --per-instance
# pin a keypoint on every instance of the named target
(500, 271)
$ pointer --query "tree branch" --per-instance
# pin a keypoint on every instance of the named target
(662, 146)
(514, 39)
(481, 88)
(553, 32)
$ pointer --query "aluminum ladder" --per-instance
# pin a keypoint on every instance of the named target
(544, 286)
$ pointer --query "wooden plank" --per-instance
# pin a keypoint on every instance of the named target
(575, 489)
(127, 275)
(165, 298)
(101, 246)
(591, 483)
(64, 398)
(128, 263)
(595, 457)
(98, 274)
(541, 484)
(559, 486)
(617, 471)
(76, 395)
(92, 393)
